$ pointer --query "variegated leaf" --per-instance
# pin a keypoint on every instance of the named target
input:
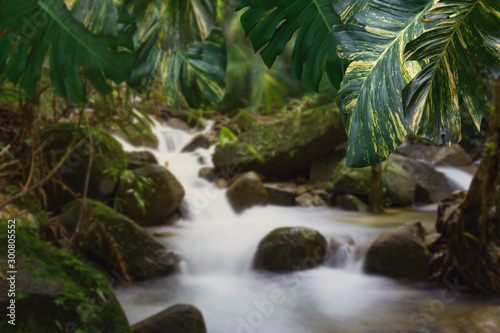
(313, 19)
(99, 16)
(432, 98)
(196, 77)
(185, 22)
(370, 96)
(347, 9)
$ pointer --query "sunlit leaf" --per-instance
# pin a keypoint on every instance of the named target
(98, 16)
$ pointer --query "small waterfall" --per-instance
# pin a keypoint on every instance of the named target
(457, 179)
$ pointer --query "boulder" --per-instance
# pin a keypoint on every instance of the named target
(139, 159)
(103, 229)
(400, 253)
(107, 153)
(351, 202)
(180, 318)
(399, 186)
(453, 156)
(242, 122)
(309, 200)
(187, 116)
(162, 197)
(55, 289)
(431, 185)
(199, 141)
(247, 191)
(179, 124)
(208, 173)
(285, 146)
(418, 151)
(290, 249)
(281, 194)
(321, 169)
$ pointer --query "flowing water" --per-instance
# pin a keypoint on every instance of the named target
(216, 275)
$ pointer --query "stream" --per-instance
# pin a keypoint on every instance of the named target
(216, 275)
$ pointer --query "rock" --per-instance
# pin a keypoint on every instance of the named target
(309, 200)
(107, 153)
(199, 141)
(418, 151)
(350, 202)
(321, 193)
(180, 318)
(221, 183)
(53, 288)
(399, 185)
(431, 185)
(400, 253)
(142, 138)
(453, 156)
(208, 173)
(163, 196)
(285, 146)
(321, 169)
(429, 239)
(139, 159)
(179, 124)
(143, 255)
(192, 120)
(301, 189)
(281, 194)
(290, 249)
(247, 191)
(242, 122)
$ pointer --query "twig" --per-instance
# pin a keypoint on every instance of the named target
(85, 189)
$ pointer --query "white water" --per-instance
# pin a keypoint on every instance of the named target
(457, 179)
(216, 274)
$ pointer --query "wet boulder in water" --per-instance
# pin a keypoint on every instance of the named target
(398, 184)
(180, 318)
(351, 202)
(139, 159)
(247, 191)
(290, 249)
(281, 194)
(400, 253)
(105, 229)
(162, 197)
(309, 200)
(199, 141)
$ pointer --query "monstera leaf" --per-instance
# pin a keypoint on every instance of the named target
(349, 8)
(370, 97)
(313, 19)
(195, 77)
(29, 28)
(98, 16)
(432, 98)
(185, 22)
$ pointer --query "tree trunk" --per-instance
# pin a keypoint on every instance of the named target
(376, 192)
(470, 243)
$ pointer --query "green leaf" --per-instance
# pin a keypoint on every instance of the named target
(147, 59)
(29, 28)
(349, 8)
(370, 97)
(98, 16)
(432, 99)
(185, 22)
(195, 77)
(313, 19)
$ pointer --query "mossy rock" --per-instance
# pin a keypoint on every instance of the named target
(142, 254)
(247, 191)
(289, 249)
(400, 253)
(286, 146)
(107, 153)
(398, 185)
(139, 159)
(56, 292)
(242, 122)
(162, 198)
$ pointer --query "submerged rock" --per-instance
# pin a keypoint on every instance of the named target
(286, 146)
(139, 159)
(162, 197)
(180, 318)
(106, 153)
(289, 249)
(247, 191)
(400, 253)
(105, 230)
(54, 289)
(351, 202)
(399, 186)
(281, 194)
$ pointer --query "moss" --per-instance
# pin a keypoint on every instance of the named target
(55, 289)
